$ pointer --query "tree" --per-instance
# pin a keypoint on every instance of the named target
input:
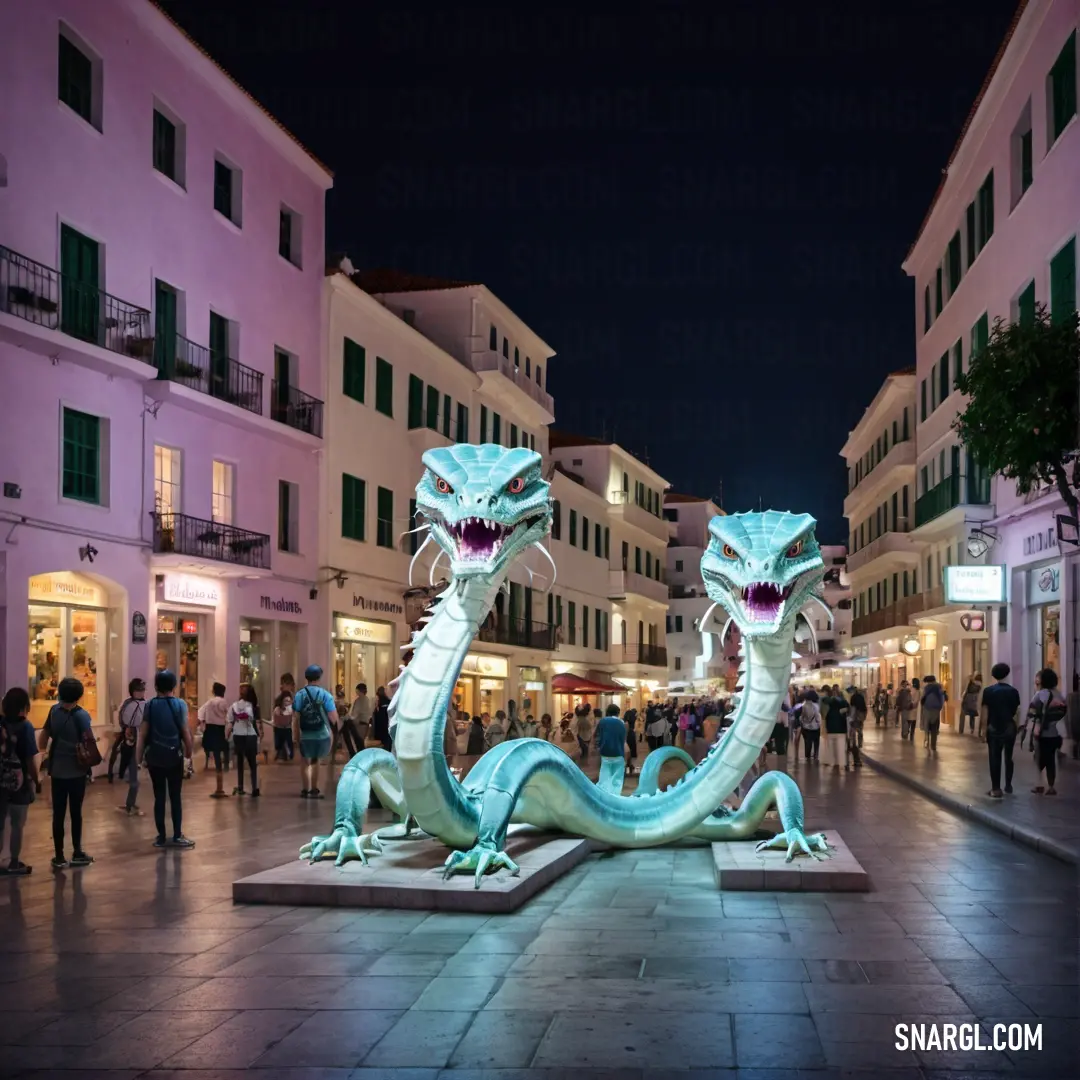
(1023, 404)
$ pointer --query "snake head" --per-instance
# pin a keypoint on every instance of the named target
(762, 568)
(486, 504)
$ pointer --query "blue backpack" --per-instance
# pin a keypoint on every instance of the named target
(163, 750)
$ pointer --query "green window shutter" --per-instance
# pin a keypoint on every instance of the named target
(446, 415)
(598, 542)
(573, 528)
(1026, 167)
(164, 328)
(223, 189)
(584, 533)
(637, 560)
(943, 376)
(416, 402)
(385, 527)
(1025, 306)
(584, 626)
(462, 423)
(933, 388)
(980, 335)
(1063, 88)
(432, 418)
(353, 370)
(76, 80)
(969, 220)
(571, 612)
(414, 540)
(986, 210)
(82, 457)
(954, 262)
(957, 361)
(551, 609)
(1063, 282)
(607, 542)
(598, 638)
(483, 423)
(922, 395)
(496, 428)
(164, 145)
(939, 299)
(928, 317)
(353, 504)
(513, 435)
(506, 348)
(384, 386)
(648, 564)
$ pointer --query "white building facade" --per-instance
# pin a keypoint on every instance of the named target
(999, 238)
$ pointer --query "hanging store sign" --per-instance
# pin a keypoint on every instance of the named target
(190, 589)
(975, 584)
(973, 621)
(494, 667)
(1044, 585)
(66, 588)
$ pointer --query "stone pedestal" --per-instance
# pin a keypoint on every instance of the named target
(740, 868)
(408, 874)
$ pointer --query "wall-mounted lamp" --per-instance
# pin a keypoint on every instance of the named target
(980, 541)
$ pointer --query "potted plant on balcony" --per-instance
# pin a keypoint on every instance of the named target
(141, 348)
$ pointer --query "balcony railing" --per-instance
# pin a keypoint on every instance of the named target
(180, 534)
(895, 540)
(685, 592)
(493, 361)
(625, 498)
(853, 483)
(290, 405)
(898, 613)
(519, 632)
(642, 653)
(943, 496)
(182, 361)
(32, 291)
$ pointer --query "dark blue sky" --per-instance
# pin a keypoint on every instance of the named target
(703, 212)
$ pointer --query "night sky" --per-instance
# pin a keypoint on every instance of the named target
(703, 212)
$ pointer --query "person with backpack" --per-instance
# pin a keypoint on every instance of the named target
(68, 740)
(129, 717)
(18, 775)
(969, 705)
(999, 705)
(1047, 714)
(905, 710)
(933, 701)
(316, 721)
(165, 744)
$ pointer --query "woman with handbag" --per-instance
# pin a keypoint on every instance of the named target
(165, 742)
(18, 775)
(68, 739)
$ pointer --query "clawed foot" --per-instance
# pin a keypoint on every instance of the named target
(798, 843)
(482, 860)
(344, 843)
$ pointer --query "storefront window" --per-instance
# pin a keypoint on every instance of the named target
(1051, 637)
(46, 648)
(178, 651)
(255, 662)
(363, 653)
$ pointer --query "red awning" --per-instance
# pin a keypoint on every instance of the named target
(567, 683)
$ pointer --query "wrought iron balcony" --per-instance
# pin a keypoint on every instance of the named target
(290, 405)
(181, 534)
(182, 361)
(519, 632)
(45, 297)
(951, 492)
(642, 653)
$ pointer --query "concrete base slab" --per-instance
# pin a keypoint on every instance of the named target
(740, 868)
(408, 874)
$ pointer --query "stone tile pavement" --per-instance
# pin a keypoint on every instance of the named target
(959, 775)
(632, 966)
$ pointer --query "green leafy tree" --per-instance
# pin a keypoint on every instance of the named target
(1023, 404)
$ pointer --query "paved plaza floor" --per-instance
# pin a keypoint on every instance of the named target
(632, 966)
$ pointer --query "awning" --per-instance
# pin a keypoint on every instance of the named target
(568, 683)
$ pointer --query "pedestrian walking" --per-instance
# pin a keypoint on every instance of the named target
(933, 701)
(969, 704)
(212, 718)
(282, 720)
(129, 718)
(1000, 704)
(316, 720)
(1047, 714)
(810, 723)
(164, 743)
(242, 728)
(905, 709)
(18, 776)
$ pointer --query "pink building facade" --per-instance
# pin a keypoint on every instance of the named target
(999, 238)
(161, 264)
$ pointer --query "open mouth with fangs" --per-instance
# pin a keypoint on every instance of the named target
(479, 539)
(763, 600)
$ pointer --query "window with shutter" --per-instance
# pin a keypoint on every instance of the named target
(447, 418)
(922, 402)
(164, 145)
(985, 202)
(943, 377)
(432, 420)
(353, 365)
(1062, 89)
(598, 541)
(483, 423)
(938, 292)
(1026, 161)
(81, 478)
(957, 361)
(573, 528)
(970, 229)
(384, 386)
(980, 335)
(584, 626)
(414, 537)
(384, 532)
(416, 402)
(462, 423)
(584, 533)
(513, 435)
(353, 499)
(496, 428)
(1025, 305)
(1063, 282)
(76, 83)
(493, 338)
(954, 262)
(928, 317)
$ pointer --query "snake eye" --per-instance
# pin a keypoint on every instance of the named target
(516, 486)
(729, 552)
(795, 550)
(442, 487)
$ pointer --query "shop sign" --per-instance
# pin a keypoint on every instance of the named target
(1043, 540)
(1044, 585)
(190, 589)
(974, 584)
(361, 630)
(495, 667)
(366, 603)
(66, 588)
(138, 628)
(533, 685)
(189, 627)
(974, 622)
(268, 603)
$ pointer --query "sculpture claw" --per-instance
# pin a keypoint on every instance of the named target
(345, 844)
(798, 843)
(481, 859)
